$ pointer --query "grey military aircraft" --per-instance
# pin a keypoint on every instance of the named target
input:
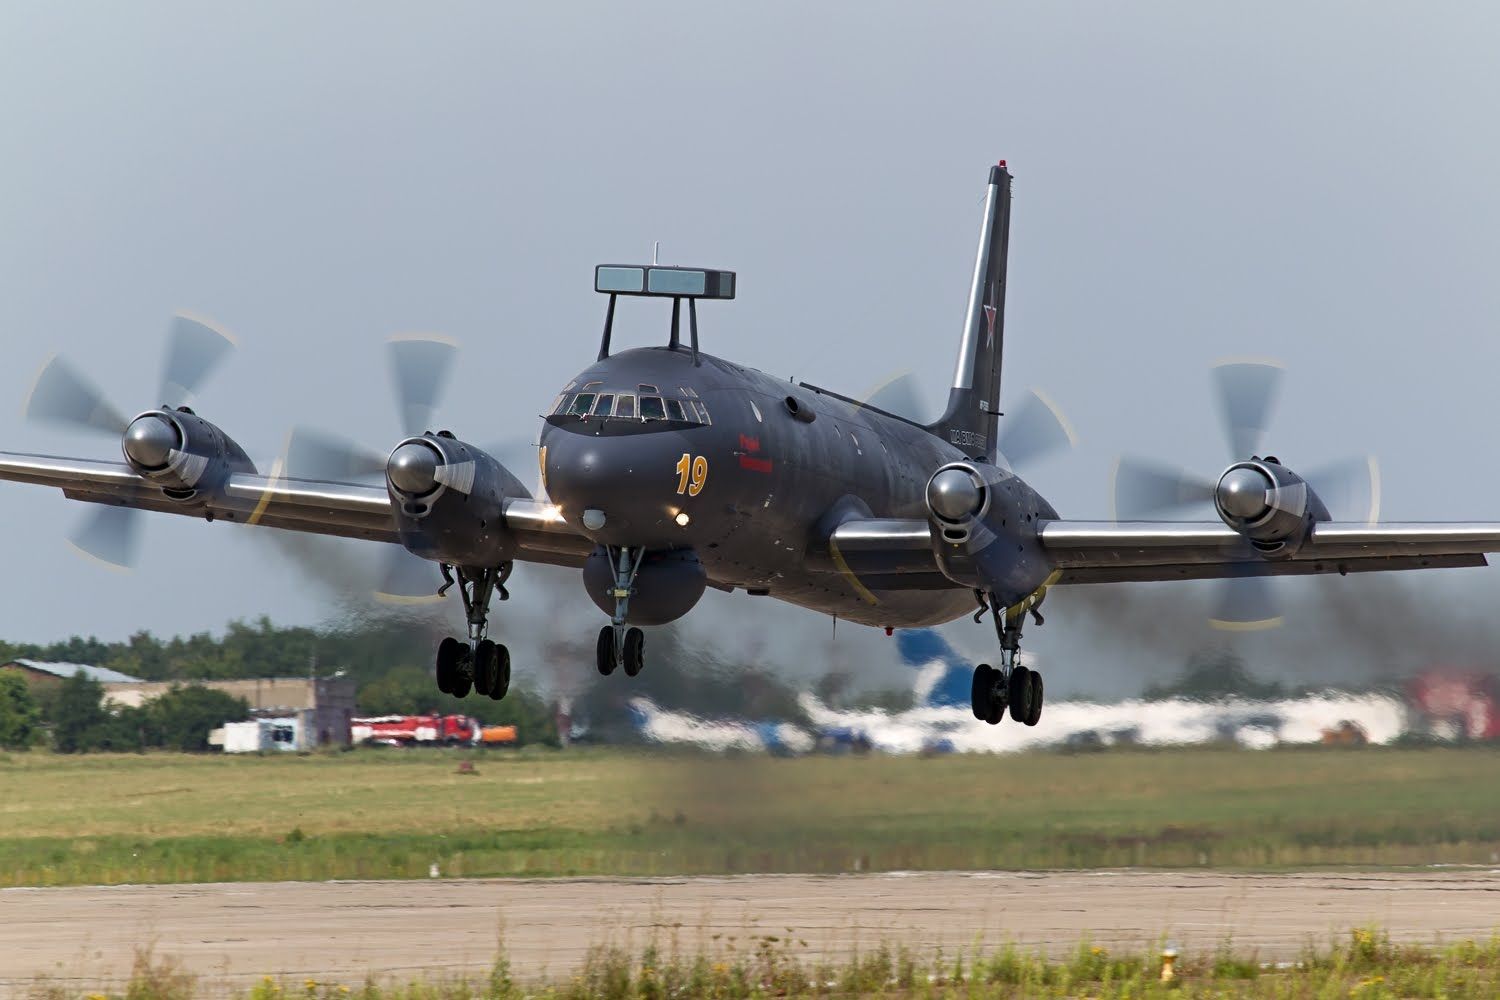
(666, 470)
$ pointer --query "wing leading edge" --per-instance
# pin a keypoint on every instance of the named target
(1117, 552)
(348, 510)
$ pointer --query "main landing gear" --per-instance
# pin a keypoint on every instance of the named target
(618, 645)
(484, 665)
(1010, 685)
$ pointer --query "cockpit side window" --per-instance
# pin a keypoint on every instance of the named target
(625, 405)
(652, 408)
(703, 413)
(581, 404)
(674, 409)
(559, 404)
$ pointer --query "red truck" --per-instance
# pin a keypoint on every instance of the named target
(409, 730)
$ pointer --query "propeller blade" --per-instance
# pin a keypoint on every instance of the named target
(1247, 390)
(407, 579)
(901, 395)
(62, 396)
(1035, 430)
(1350, 489)
(1246, 604)
(1144, 490)
(314, 454)
(111, 535)
(194, 349)
(419, 369)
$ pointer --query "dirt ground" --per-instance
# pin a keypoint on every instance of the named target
(345, 931)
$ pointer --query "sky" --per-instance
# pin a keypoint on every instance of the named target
(1313, 183)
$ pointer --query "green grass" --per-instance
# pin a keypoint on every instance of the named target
(1366, 966)
(378, 814)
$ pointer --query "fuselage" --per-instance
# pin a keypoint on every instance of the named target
(647, 448)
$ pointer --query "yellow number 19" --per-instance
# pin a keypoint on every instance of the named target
(692, 474)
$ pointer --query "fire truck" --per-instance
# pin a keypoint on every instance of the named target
(416, 730)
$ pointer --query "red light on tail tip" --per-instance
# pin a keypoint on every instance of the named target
(889, 630)
(1001, 163)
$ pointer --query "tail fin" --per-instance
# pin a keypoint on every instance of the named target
(974, 401)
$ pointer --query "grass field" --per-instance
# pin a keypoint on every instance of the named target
(1365, 966)
(382, 814)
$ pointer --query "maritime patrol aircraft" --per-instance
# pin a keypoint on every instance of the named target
(665, 470)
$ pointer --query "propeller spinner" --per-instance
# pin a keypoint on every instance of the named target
(1256, 496)
(64, 397)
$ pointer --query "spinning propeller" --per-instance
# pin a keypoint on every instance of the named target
(1032, 430)
(1147, 490)
(420, 366)
(63, 397)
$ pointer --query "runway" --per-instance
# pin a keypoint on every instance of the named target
(234, 933)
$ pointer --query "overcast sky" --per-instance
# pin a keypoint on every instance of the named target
(1315, 183)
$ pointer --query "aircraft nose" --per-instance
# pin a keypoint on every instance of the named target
(604, 485)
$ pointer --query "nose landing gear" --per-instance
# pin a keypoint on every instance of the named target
(618, 645)
(1010, 685)
(484, 665)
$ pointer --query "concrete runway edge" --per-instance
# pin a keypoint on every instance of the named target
(234, 933)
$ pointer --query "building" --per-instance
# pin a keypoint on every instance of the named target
(51, 673)
(321, 707)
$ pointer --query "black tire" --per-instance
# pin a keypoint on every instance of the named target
(486, 664)
(635, 652)
(605, 650)
(1035, 715)
(1020, 693)
(980, 691)
(463, 671)
(502, 673)
(447, 659)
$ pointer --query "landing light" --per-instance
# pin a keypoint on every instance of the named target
(683, 519)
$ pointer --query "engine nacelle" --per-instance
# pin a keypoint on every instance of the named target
(667, 586)
(182, 453)
(449, 499)
(1268, 503)
(984, 523)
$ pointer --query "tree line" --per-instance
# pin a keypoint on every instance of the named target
(389, 660)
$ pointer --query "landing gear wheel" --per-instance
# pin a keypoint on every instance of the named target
(635, 652)
(1035, 715)
(502, 674)
(606, 651)
(982, 690)
(486, 666)
(1020, 693)
(447, 663)
(463, 674)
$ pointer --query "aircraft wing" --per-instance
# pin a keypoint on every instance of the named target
(897, 553)
(349, 510)
(1114, 552)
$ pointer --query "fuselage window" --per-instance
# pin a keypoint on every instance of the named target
(625, 405)
(643, 387)
(856, 443)
(756, 410)
(674, 410)
(603, 405)
(581, 404)
(703, 413)
(652, 408)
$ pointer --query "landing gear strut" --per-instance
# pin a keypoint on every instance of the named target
(1010, 685)
(618, 645)
(484, 665)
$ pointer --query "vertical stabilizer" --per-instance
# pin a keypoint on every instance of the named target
(973, 403)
